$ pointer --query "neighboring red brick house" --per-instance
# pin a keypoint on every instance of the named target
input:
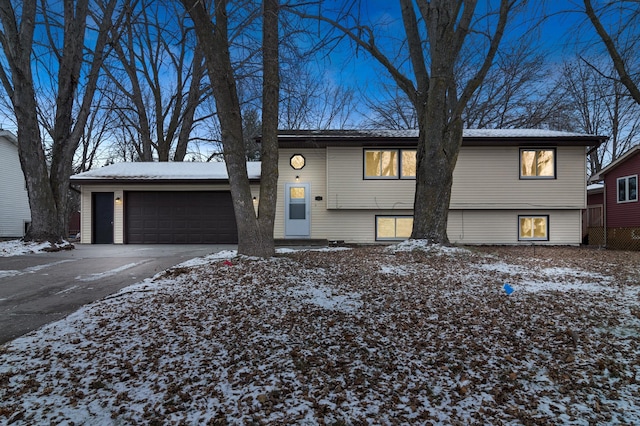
(620, 199)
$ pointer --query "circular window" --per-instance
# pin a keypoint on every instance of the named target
(297, 161)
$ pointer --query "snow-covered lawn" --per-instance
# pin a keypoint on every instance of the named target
(371, 335)
(19, 247)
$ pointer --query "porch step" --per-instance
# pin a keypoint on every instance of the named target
(297, 242)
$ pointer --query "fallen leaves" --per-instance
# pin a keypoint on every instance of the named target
(346, 337)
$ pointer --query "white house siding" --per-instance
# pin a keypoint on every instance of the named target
(14, 207)
(86, 230)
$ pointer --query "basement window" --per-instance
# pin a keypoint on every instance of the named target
(391, 228)
(533, 228)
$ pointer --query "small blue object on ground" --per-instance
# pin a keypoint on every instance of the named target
(508, 289)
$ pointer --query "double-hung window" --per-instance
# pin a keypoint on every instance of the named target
(537, 163)
(389, 163)
(627, 189)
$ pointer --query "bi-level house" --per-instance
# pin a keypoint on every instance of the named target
(15, 215)
(509, 187)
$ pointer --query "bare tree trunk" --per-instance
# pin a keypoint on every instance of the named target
(270, 113)
(445, 26)
(439, 142)
(48, 186)
(17, 43)
(255, 234)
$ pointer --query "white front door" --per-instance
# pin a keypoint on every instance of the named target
(296, 210)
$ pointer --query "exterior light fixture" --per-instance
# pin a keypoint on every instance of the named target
(297, 178)
(118, 200)
(297, 161)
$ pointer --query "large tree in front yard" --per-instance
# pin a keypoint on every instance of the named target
(212, 22)
(438, 35)
(70, 37)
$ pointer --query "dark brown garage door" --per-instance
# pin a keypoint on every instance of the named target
(180, 218)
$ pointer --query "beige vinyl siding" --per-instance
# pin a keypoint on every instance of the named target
(470, 227)
(14, 207)
(314, 173)
(484, 178)
(489, 178)
(118, 211)
(351, 226)
(501, 226)
(347, 188)
(488, 196)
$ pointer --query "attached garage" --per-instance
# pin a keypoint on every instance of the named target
(179, 217)
(161, 203)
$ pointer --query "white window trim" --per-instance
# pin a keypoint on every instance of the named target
(540, 216)
(626, 189)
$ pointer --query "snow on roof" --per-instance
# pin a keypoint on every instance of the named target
(413, 133)
(519, 133)
(165, 170)
(595, 187)
(9, 136)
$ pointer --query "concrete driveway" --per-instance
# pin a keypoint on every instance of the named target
(37, 289)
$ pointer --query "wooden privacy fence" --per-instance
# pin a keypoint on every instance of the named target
(592, 225)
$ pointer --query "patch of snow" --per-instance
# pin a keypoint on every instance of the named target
(554, 279)
(595, 186)
(110, 273)
(395, 270)
(287, 250)
(413, 133)
(32, 269)
(519, 133)
(165, 171)
(358, 338)
(19, 247)
(327, 297)
(211, 258)
(426, 246)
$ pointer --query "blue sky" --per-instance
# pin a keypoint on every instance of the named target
(555, 34)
